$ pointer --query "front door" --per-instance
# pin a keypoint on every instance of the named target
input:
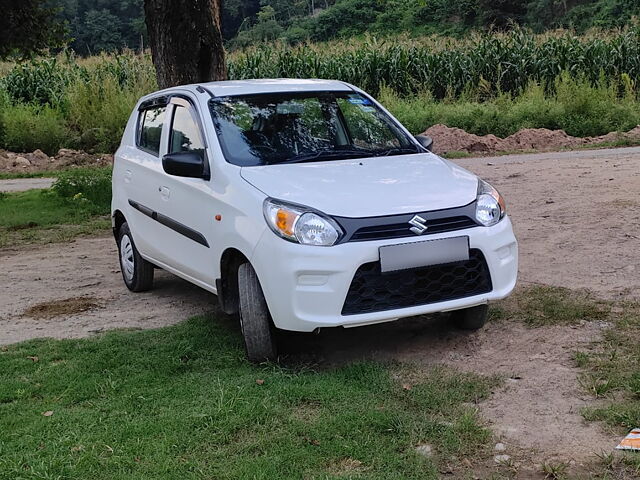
(184, 206)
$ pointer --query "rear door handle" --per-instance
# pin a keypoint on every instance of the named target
(165, 193)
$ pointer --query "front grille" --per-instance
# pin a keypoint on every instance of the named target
(402, 230)
(389, 227)
(373, 291)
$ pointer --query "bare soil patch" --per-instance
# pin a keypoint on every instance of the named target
(39, 161)
(63, 307)
(448, 139)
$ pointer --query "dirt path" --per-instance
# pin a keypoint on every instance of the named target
(577, 218)
(86, 268)
(23, 184)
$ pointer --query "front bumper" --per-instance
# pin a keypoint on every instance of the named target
(305, 287)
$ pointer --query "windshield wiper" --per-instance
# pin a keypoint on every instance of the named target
(327, 155)
(397, 151)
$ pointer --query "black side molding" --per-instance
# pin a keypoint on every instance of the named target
(171, 223)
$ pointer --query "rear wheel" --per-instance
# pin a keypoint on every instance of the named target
(137, 273)
(255, 320)
(473, 318)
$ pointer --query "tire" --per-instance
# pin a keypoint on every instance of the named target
(473, 318)
(137, 273)
(255, 320)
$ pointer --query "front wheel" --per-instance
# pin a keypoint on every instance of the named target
(255, 320)
(473, 318)
(137, 273)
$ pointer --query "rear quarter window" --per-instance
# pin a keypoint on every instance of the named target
(150, 125)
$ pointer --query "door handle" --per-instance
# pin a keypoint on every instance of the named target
(165, 192)
(127, 176)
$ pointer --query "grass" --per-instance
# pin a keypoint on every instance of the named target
(182, 402)
(542, 305)
(39, 216)
(60, 308)
(612, 370)
(555, 470)
(53, 173)
(14, 175)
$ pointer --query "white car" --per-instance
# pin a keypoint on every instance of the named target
(304, 204)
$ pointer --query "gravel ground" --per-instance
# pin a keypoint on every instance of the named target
(23, 184)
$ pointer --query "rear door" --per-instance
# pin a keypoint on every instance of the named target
(141, 172)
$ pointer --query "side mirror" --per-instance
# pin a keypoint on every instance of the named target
(186, 164)
(426, 142)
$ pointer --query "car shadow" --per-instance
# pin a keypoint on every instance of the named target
(413, 338)
(430, 338)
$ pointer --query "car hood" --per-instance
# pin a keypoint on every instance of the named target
(368, 187)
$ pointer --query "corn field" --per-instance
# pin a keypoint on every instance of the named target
(495, 83)
(503, 63)
(47, 80)
(488, 65)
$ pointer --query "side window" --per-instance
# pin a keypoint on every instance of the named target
(185, 133)
(150, 129)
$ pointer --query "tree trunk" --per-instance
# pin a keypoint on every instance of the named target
(186, 41)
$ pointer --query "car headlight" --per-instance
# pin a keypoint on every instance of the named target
(490, 206)
(300, 224)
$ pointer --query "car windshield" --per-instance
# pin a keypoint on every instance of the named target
(268, 129)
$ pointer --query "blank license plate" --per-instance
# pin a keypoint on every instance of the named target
(423, 254)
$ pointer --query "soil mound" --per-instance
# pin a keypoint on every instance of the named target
(445, 140)
(39, 161)
(448, 139)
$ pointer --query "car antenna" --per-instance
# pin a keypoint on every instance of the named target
(202, 89)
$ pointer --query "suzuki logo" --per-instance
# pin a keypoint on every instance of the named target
(418, 223)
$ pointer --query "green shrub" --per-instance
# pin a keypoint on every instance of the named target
(97, 111)
(90, 187)
(4, 104)
(26, 128)
(577, 107)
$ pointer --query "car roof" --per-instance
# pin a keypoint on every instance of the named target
(273, 85)
(265, 85)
